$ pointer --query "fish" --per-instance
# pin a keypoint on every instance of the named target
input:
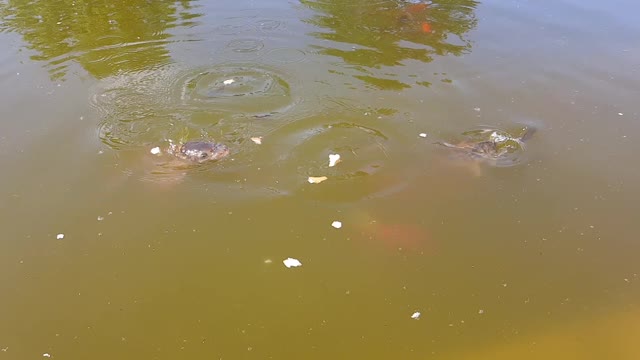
(412, 14)
(393, 235)
(491, 147)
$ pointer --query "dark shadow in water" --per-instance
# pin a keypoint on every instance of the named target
(104, 37)
(387, 33)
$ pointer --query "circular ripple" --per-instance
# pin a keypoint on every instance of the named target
(244, 89)
(269, 25)
(243, 50)
(364, 145)
(365, 171)
(245, 45)
(137, 109)
(286, 55)
(228, 29)
(129, 115)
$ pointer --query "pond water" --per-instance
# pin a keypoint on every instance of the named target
(508, 245)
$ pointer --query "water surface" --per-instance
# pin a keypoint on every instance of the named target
(535, 259)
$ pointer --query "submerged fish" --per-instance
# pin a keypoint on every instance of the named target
(414, 15)
(490, 146)
(394, 235)
(173, 167)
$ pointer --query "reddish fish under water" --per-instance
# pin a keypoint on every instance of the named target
(404, 236)
(397, 236)
(412, 13)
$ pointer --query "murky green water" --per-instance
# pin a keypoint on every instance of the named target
(536, 257)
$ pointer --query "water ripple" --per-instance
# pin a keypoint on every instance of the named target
(269, 25)
(167, 102)
(367, 169)
(247, 89)
(245, 45)
(286, 55)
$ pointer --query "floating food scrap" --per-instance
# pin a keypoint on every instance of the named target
(317, 179)
(416, 315)
(228, 82)
(155, 151)
(291, 262)
(257, 140)
(336, 224)
(46, 355)
(60, 236)
(334, 159)
(424, 135)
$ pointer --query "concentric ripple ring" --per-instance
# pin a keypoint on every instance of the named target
(246, 89)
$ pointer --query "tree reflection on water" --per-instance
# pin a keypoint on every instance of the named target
(388, 33)
(104, 37)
